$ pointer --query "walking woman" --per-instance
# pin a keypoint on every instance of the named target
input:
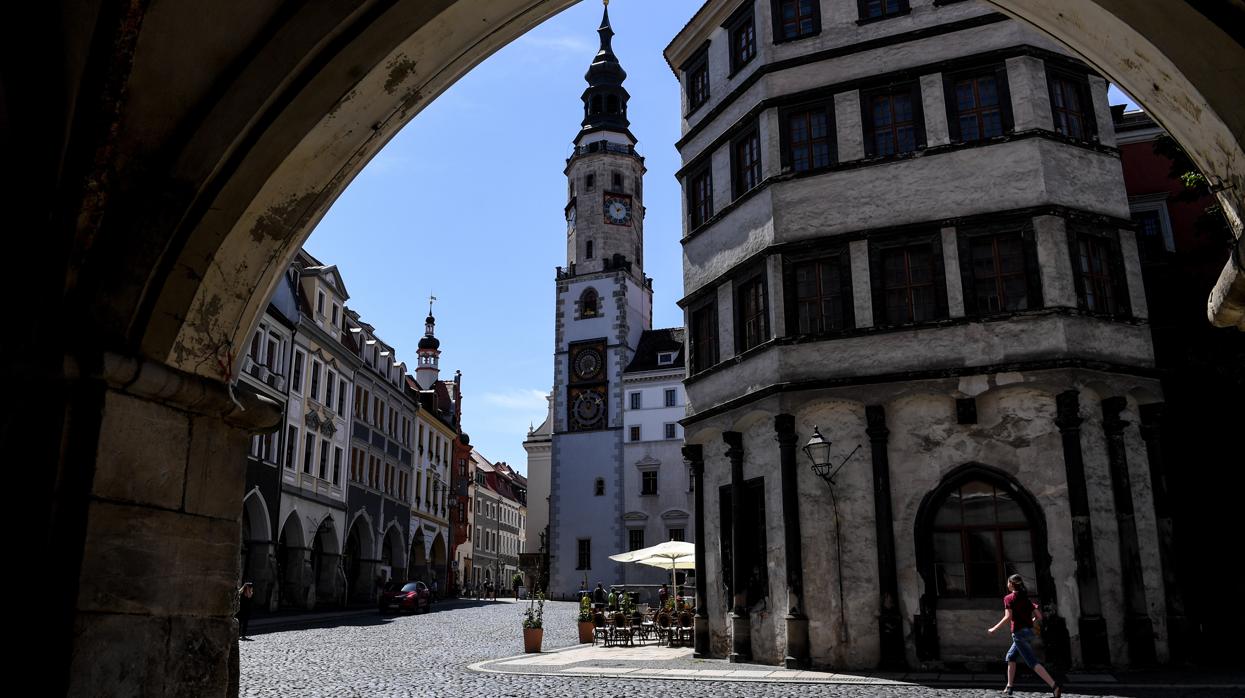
(1021, 611)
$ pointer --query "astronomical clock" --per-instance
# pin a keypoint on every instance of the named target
(586, 404)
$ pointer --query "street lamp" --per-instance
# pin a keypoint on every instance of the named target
(818, 451)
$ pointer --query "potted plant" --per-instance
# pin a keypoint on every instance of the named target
(585, 619)
(534, 623)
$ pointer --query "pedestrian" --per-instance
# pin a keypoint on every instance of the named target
(1021, 611)
(246, 596)
(663, 595)
(598, 597)
(612, 600)
(435, 591)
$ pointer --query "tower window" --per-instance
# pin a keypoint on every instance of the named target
(612, 104)
(589, 250)
(590, 181)
(598, 488)
(618, 181)
(589, 302)
(595, 107)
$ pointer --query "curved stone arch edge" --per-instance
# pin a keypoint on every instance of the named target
(244, 269)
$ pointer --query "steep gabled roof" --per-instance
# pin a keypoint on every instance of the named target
(655, 342)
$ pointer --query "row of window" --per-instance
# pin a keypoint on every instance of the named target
(978, 107)
(378, 413)
(317, 467)
(635, 541)
(670, 395)
(635, 537)
(998, 269)
(648, 484)
(669, 431)
(334, 388)
(507, 544)
(374, 472)
(792, 20)
(616, 179)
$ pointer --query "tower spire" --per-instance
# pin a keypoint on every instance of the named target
(428, 370)
(605, 100)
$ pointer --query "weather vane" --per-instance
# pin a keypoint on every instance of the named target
(431, 299)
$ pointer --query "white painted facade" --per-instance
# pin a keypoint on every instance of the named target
(1020, 399)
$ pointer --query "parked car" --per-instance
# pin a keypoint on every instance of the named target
(413, 596)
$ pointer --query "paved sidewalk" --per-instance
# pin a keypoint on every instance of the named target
(656, 662)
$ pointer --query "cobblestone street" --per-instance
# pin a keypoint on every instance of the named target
(428, 655)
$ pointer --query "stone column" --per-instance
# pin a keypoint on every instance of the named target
(798, 655)
(1138, 629)
(1092, 626)
(1179, 632)
(741, 626)
(890, 625)
(160, 553)
(696, 461)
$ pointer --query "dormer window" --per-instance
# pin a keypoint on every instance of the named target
(666, 358)
(336, 314)
(320, 303)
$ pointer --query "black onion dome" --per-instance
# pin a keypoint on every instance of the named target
(429, 343)
(605, 99)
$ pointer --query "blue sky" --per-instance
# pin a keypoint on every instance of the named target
(466, 204)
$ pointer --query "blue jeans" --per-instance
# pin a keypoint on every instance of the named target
(1020, 646)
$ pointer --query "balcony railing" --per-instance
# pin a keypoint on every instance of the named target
(604, 146)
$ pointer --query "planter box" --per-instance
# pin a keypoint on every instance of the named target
(532, 638)
(585, 631)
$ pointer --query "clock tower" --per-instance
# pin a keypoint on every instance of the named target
(604, 303)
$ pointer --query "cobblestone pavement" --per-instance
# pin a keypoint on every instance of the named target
(428, 655)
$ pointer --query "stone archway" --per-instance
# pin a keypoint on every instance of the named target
(259, 555)
(330, 580)
(393, 553)
(359, 563)
(439, 565)
(294, 565)
(161, 213)
(418, 568)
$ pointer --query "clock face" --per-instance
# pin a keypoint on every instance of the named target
(588, 410)
(618, 209)
(587, 364)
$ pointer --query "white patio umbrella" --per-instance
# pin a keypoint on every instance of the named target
(671, 555)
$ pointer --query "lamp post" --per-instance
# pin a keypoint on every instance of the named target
(818, 451)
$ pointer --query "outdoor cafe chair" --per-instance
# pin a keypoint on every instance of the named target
(663, 628)
(600, 629)
(622, 631)
(686, 629)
